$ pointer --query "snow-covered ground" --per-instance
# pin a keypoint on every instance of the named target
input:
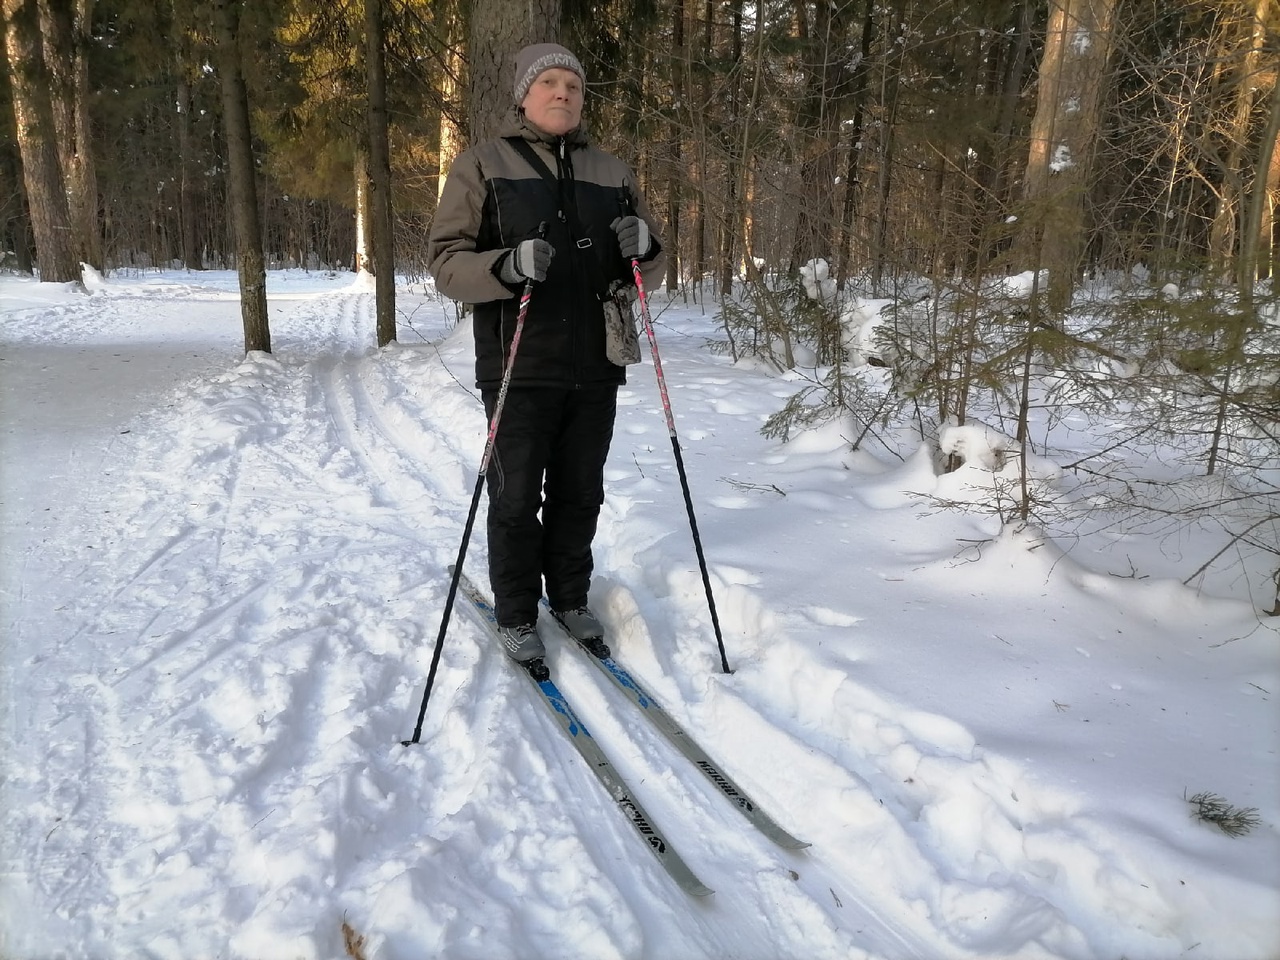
(222, 583)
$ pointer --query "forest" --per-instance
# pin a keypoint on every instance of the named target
(1123, 156)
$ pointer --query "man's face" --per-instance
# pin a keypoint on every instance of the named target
(554, 101)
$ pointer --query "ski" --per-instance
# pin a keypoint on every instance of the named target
(590, 751)
(683, 742)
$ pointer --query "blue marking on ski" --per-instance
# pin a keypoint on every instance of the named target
(624, 679)
(560, 705)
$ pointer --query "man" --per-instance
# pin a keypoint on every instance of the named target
(540, 204)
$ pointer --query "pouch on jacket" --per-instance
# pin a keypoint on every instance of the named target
(621, 340)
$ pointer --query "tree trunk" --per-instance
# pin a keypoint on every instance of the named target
(190, 244)
(452, 85)
(737, 159)
(250, 264)
(1268, 237)
(499, 28)
(37, 141)
(364, 217)
(84, 173)
(858, 95)
(66, 26)
(1073, 83)
(1225, 235)
(703, 224)
(1254, 242)
(384, 251)
(675, 165)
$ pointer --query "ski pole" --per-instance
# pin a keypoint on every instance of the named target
(490, 442)
(675, 446)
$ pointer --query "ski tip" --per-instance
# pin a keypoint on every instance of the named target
(699, 890)
(793, 844)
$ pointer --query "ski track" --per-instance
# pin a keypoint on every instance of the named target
(260, 632)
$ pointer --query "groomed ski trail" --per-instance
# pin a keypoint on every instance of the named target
(251, 643)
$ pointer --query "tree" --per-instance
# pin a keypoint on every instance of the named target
(250, 264)
(188, 171)
(674, 146)
(67, 29)
(1072, 85)
(496, 38)
(37, 142)
(1241, 76)
(858, 83)
(384, 250)
(452, 88)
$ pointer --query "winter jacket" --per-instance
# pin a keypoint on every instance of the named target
(494, 199)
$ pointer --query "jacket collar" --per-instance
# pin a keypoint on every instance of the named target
(517, 125)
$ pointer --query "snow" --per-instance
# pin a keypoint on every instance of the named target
(223, 577)
(816, 278)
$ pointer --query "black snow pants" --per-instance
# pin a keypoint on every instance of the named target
(546, 484)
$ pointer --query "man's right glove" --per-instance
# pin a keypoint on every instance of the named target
(528, 261)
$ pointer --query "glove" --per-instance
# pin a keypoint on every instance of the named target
(528, 261)
(633, 237)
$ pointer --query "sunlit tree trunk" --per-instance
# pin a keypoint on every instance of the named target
(1235, 217)
(250, 264)
(37, 141)
(1255, 243)
(66, 28)
(452, 87)
(1073, 82)
(364, 217)
(1269, 202)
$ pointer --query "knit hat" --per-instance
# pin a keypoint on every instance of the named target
(538, 58)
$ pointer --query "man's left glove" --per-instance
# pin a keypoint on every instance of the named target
(633, 237)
